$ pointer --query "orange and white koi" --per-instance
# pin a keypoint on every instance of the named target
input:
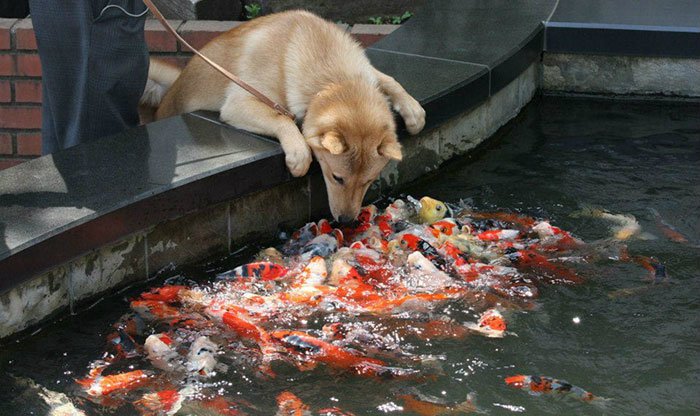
(491, 324)
(95, 384)
(288, 404)
(498, 235)
(163, 402)
(537, 385)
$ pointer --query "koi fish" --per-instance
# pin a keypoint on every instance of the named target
(324, 245)
(498, 235)
(530, 259)
(288, 404)
(154, 309)
(491, 324)
(627, 225)
(95, 384)
(123, 343)
(308, 347)
(668, 230)
(200, 359)
(537, 385)
(246, 329)
(164, 402)
(431, 210)
(263, 270)
(167, 293)
(161, 353)
(425, 405)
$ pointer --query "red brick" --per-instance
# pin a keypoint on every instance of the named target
(5, 143)
(369, 34)
(199, 32)
(29, 144)
(5, 92)
(8, 163)
(24, 35)
(7, 64)
(158, 38)
(28, 91)
(5, 26)
(20, 117)
(367, 40)
(28, 65)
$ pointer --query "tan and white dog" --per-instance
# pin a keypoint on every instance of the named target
(319, 73)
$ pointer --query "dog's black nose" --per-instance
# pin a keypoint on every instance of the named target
(344, 219)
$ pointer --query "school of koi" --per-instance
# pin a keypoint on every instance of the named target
(363, 283)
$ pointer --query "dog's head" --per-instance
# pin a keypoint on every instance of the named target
(352, 133)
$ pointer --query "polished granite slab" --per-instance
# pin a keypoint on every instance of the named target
(616, 13)
(478, 32)
(668, 28)
(86, 182)
(444, 88)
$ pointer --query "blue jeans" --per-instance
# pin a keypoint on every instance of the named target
(94, 63)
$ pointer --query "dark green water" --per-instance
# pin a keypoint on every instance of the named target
(641, 351)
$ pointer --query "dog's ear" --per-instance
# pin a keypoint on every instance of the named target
(391, 149)
(332, 142)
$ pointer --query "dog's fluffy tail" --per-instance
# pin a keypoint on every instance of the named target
(161, 77)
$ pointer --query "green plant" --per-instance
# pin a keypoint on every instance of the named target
(397, 20)
(252, 10)
(376, 20)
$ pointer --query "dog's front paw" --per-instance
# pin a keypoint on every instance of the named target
(298, 159)
(412, 112)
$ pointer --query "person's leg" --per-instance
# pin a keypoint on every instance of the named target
(94, 67)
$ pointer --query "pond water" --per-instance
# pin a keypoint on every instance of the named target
(638, 348)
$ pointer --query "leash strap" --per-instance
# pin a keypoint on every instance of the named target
(260, 96)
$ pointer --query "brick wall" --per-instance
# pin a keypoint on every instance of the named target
(20, 74)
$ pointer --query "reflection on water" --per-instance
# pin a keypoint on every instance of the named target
(639, 348)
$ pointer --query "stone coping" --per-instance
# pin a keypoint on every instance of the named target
(452, 56)
(669, 28)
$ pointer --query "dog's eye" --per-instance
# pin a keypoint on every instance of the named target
(338, 179)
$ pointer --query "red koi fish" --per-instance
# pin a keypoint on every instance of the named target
(288, 404)
(167, 294)
(153, 309)
(95, 384)
(263, 270)
(522, 221)
(530, 259)
(425, 405)
(537, 385)
(309, 347)
(246, 329)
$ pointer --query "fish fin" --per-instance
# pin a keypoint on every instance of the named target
(646, 236)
